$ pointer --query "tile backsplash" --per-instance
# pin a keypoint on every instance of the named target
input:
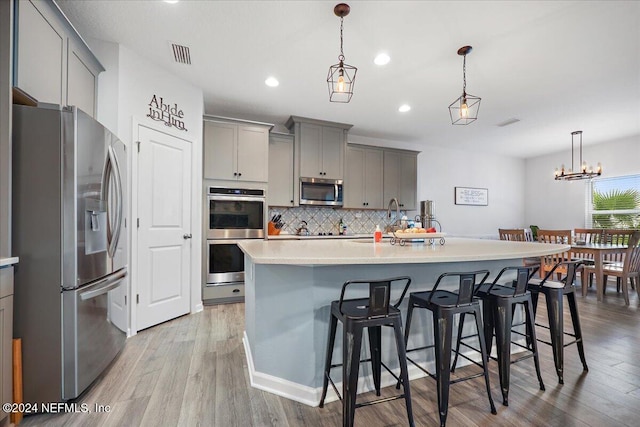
(326, 220)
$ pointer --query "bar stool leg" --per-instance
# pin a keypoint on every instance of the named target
(460, 328)
(375, 343)
(352, 344)
(485, 359)
(488, 315)
(528, 308)
(577, 330)
(404, 373)
(333, 323)
(556, 325)
(503, 342)
(408, 323)
(443, 331)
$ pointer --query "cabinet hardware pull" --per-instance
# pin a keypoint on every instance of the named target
(186, 236)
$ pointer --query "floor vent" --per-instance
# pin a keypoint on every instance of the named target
(181, 54)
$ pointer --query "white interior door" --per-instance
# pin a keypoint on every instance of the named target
(164, 232)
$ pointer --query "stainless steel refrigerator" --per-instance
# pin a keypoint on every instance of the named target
(68, 228)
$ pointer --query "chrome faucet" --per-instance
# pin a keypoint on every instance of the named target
(392, 201)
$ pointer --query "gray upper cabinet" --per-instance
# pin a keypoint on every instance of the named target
(281, 183)
(401, 177)
(236, 151)
(51, 61)
(321, 147)
(363, 183)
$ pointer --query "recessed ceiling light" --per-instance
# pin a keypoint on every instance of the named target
(404, 108)
(382, 59)
(171, 1)
(271, 82)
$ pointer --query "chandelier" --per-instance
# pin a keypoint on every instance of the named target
(585, 172)
(342, 77)
(464, 110)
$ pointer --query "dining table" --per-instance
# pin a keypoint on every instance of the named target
(598, 251)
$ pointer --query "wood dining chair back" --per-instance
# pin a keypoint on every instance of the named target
(519, 235)
(616, 237)
(512, 234)
(548, 262)
(628, 271)
(589, 235)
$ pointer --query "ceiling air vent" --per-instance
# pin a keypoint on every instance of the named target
(508, 122)
(181, 54)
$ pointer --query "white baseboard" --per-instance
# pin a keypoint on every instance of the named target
(309, 395)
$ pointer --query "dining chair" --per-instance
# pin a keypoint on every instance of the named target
(512, 234)
(629, 271)
(616, 237)
(587, 236)
(519, 235)
(557, 261)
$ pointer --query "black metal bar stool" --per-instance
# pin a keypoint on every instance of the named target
(371, 313)
(554, 292)
(498, 306)
(444, 305)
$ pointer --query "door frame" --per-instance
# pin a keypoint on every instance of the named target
(195, 286)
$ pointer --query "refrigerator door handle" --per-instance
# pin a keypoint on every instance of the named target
(103, 286)
(111, 170)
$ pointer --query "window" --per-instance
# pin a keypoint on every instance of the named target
(614, 202)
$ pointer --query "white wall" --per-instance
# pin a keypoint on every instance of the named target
(440, 170)
(125, 91)
(560, 204)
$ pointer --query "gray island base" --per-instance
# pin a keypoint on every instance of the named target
(289, 286)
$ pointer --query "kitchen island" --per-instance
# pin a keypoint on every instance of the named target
(289, 286)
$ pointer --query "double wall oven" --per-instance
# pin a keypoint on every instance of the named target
(232, 214)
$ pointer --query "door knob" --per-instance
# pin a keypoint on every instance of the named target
(186, 236)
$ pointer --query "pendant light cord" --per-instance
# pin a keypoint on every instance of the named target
(464, 74)
(341, 57)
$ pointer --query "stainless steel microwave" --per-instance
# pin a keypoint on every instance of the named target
(320, 192)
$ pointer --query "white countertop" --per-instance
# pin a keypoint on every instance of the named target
(318, 237)
(364, 251)
(4, 262)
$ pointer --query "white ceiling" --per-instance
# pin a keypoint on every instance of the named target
(558, 66)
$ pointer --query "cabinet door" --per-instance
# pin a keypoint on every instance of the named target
(6, 334)
(280, 171)
(408, 178)
(253, 153)
(81, 82)
(354, 182)
(220, 161)
(332, 152)
(311, 151)
(373, 182)
(40, 52)
(391, 175)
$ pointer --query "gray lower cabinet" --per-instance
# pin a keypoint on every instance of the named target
(363, 183)
(401, 177)
(281, 183)
(236, 152)
(6, 337)
(52, 62)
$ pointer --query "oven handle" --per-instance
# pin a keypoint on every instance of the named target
(237, 198)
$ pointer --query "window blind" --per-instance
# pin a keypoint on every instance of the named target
(614, 202)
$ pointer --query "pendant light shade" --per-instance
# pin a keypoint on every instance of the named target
(464, 110)
(585, 172)
(341, 77)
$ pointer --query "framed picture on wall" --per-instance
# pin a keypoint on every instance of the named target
(471, 196)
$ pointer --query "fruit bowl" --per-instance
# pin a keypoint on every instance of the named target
(403, 236)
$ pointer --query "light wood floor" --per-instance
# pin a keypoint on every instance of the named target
(192, 371)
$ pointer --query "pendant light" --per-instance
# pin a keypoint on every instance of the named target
(584, 173)
(341, 76)
(464, 110)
